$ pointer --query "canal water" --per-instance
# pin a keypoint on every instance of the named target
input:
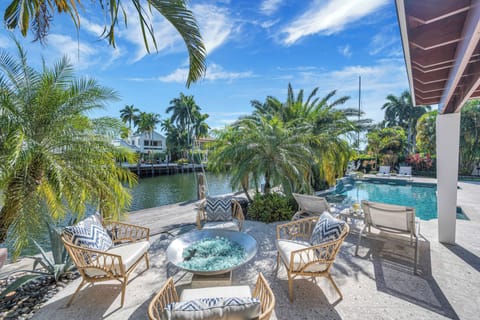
(167, 189)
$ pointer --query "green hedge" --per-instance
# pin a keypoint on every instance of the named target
(272, 207)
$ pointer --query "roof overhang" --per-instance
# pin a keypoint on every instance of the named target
(441, 47)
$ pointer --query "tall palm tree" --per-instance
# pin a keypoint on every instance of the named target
(147, 122)
(400, 111)
(129, 114)
(51, 158)
(40, 13)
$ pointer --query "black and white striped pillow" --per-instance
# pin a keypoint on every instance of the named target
(90, 233)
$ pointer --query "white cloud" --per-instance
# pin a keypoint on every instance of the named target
(215, 25)
(386, 40)
(328, 17)
(214, 72)
(386, 77)
(79, 53)
(345, 51)
(269, 7)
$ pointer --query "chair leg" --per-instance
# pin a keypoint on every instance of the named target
(278, 263)
(329, 276)
(146, 261)
(290, 286)
(124, 288)
(415, 259)
(76, 292)
(359, 239)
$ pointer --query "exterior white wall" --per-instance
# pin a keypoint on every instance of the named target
(448, 141)
(138, 141)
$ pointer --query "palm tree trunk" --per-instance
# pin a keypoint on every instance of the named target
(245, 186)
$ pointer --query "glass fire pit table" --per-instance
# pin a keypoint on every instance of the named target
(211, 255)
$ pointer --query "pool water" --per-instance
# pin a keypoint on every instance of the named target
(422, 197)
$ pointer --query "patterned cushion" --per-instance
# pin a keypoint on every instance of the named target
(213, 308)
(327, 228)
(90, 233)
(219, 208)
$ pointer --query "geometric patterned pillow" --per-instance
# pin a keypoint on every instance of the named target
(327, 228)
(213, 308)
(90, 233)
(219, 209)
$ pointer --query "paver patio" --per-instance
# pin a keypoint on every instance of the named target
(377, 285)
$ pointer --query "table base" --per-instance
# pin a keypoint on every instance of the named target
(217, 280)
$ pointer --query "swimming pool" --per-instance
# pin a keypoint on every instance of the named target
(422, 197)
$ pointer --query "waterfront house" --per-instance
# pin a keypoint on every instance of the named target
(147, 142)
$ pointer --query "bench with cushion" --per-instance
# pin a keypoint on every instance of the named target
(232, 302)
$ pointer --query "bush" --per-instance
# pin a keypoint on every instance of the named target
(271, 207)
(182, 161)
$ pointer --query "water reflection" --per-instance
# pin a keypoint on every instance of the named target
(168, 189)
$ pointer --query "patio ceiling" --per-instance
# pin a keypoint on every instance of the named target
(442, 53)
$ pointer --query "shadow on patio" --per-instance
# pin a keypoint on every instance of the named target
(393, 272)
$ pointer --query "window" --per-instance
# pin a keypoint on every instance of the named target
(146, 142)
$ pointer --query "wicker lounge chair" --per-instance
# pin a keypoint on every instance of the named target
(234, 221)
(168, 294)
(391, 219)
(309, 206)
(116, 263)
(300, 258)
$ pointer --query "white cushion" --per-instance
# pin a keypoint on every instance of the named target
(225, 225)
(216, 308)
(130, 254)
(285, 248)
(213, 292)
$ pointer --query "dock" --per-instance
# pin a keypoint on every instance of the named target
(151, 170)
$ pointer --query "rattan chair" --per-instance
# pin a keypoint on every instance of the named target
(168, 294)
(116, 263)
(309, 206)
(236, 224)
(300, 258)
(391, 219)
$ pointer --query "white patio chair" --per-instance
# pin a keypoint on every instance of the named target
(384, 171)
(309, 206)
(392, 219)
(405, 172)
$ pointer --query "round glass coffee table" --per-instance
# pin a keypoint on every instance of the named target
(202, 277)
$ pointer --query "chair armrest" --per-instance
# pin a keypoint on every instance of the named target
(264, 293)
(237, 213)
(297, 229)
(166, 295)
(121, 232)
(323, 253)
(85, 258)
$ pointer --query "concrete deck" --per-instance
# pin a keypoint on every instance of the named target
(379, 284)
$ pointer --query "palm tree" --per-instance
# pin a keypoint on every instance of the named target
(262, 149)
(321, 121)
(400, 111)
(18, 14)
(129, 114)
(51, 158)
(147, 122)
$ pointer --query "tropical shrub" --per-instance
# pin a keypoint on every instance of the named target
(419, 161)
(53, 158)
(271, 207)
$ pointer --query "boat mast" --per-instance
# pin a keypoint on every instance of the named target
(359, 99)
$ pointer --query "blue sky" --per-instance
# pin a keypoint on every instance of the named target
(255, 48)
